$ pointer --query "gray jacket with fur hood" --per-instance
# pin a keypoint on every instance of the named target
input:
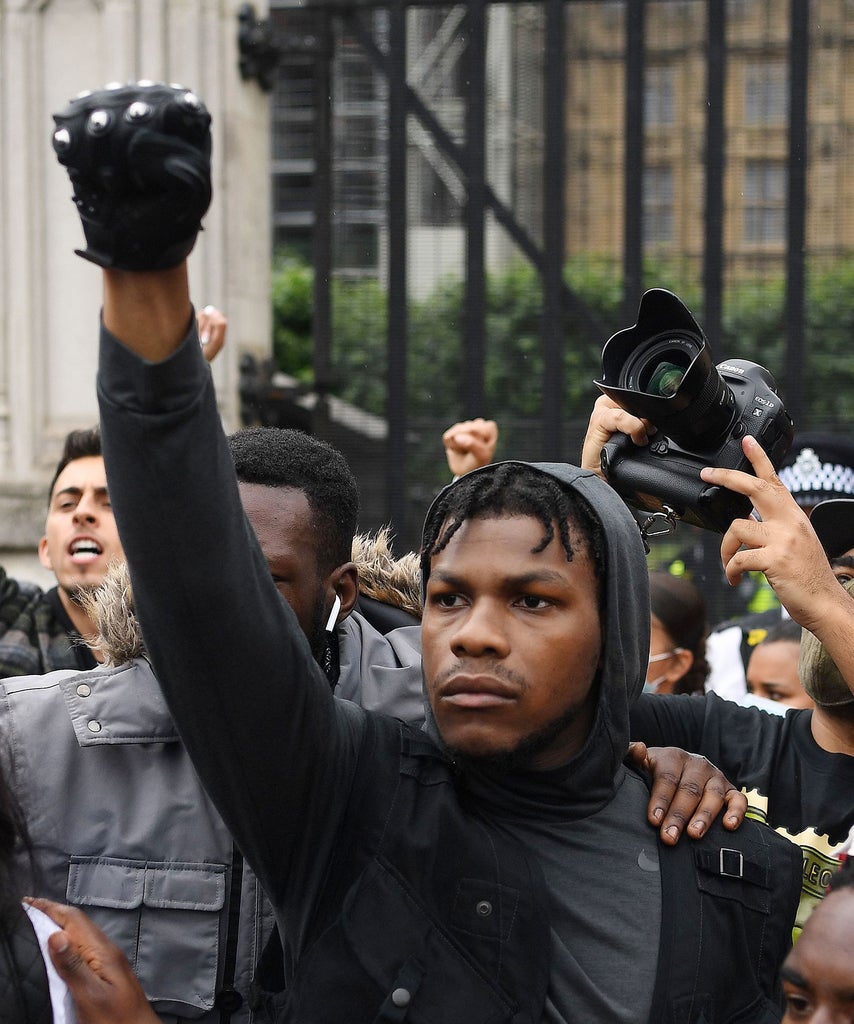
(120, 823)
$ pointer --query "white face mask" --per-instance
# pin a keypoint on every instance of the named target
(651, 686)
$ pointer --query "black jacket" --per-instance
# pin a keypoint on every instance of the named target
(398, 895)
(444, 919)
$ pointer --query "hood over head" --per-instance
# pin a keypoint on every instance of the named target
(625, 628)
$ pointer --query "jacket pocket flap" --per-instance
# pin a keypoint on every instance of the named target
(185, 886)
(126, 884)
(402, 931)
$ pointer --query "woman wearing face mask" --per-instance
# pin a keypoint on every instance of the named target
(678, 630)
(773, 681)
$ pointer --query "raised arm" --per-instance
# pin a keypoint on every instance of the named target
(783, 545)
(253, 709)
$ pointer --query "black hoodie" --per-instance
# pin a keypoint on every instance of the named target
(586, 821)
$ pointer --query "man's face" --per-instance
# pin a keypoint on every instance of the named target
(818, 974)
(80, 538)
(511, 643)
(283, 523)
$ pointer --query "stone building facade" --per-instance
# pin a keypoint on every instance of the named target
(49, 298)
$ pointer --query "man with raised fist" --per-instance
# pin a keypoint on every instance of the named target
(497, 866)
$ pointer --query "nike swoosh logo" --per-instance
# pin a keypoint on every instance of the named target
(647, 863)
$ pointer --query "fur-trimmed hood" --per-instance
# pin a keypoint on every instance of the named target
(110, 607)
(394, 581)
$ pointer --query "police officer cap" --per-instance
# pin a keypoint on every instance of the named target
(817, 467)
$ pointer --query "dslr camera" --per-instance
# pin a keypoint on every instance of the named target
(661, 369)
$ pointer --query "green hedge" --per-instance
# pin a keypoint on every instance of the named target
(752, 329)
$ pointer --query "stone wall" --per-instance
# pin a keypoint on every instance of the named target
(49, 298)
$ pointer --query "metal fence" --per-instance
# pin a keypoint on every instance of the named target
(484, 190)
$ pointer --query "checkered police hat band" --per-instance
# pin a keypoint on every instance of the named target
(808, 475)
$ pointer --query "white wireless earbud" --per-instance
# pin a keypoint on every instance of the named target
(333, 615)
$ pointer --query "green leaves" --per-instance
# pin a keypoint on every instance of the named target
(753, 328)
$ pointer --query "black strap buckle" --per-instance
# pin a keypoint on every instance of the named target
(731, 863)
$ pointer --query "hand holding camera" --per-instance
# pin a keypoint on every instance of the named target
(138, 157)
(661, 371)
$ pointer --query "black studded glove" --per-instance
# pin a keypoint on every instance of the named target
(139, 157)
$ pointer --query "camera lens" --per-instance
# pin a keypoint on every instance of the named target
(658, 366)
(665, 380)
(662, 369)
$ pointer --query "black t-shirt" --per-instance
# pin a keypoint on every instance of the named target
(802, 791)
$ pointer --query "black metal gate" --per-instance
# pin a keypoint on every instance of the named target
(391, 38)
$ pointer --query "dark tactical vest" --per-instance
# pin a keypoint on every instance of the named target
(431, 916)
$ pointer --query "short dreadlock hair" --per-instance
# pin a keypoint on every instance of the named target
(281, 458)
(512, 489)
(78, 444)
